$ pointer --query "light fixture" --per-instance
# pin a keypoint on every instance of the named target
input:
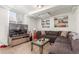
(39, 6)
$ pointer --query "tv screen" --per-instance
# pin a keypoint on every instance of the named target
(15, 29)
(12, 26)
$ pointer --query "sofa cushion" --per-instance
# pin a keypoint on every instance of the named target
(75, 46)
(62, 39)
(60, 48)
(52, 33)
(51, 36)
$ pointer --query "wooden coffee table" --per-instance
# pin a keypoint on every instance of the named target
(40, 44)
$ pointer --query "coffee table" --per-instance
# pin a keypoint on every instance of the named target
(40, 44)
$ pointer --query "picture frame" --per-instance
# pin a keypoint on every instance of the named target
(61, 21)
(45, 23)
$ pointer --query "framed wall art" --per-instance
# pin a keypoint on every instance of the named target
(61, 21)
(45, 23)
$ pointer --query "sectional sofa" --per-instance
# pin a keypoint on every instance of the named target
(65, 45)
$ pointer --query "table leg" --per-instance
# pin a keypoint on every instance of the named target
(31, 46)
(41, 49)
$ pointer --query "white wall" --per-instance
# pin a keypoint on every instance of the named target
(74, 18)
(19, 18)
(52, 28)
(32, 23)
(3, 26)
(77, 18)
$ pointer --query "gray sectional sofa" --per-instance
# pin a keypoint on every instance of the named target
(63, 45)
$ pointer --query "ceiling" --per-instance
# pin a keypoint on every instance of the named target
(20, 8)
(52, 11)
(60, 9)
(46, 10)
(23, 8)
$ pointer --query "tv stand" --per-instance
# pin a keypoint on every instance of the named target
(19, 39)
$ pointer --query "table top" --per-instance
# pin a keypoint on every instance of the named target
(38, 42)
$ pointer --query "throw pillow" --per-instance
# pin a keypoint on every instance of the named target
(64, 33)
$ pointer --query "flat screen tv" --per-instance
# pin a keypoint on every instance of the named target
(17, 29)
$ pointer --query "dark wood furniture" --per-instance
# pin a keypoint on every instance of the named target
(40, 44)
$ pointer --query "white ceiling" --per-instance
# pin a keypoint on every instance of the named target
(52, 11)
(23, 8)
(20, 8)
(60, 9)
(33, 11)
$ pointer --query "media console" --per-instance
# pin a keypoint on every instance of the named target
(13, 41)
(18, 34)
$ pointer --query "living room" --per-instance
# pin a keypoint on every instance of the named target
(53, 23)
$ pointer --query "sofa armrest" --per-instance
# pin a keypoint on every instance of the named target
(75, 46)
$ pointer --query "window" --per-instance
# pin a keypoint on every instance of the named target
(12, 17)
